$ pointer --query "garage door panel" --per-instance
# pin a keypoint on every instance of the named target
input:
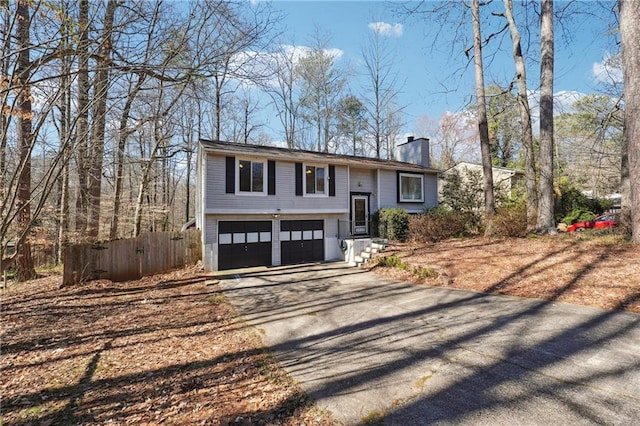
(244, 244)
(301, 241)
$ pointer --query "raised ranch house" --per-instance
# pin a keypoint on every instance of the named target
(263, 206)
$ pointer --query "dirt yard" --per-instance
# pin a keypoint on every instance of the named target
(162, 350)
(169, 349)
(594, 270)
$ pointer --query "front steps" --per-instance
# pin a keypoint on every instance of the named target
(374, 246)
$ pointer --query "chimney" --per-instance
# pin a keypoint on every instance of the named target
(415, 151)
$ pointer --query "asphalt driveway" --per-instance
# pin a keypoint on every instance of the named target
(370, 349)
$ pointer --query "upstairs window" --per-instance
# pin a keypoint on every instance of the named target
(251, 177)
(315, 180)
(410, 188)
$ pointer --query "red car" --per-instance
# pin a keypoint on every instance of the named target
(606, 220)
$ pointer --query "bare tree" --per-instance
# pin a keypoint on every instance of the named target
(82, 126)
(630, 36)
(101, 88)
(65, 132)
(382, 88)
(24, 262)
(525, 115)
(545, 221)
(322, 84)
(453, 138)
(24, 193)
(483, 128)
(282, 90)
(5, 64)
(135, 83)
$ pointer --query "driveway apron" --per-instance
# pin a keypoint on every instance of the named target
(372, 349)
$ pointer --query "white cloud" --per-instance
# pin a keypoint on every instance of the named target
(386, 29)
(298, 52)
(608, 71)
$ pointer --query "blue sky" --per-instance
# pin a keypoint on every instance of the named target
(435, 81)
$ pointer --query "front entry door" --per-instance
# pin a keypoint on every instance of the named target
(359, 214)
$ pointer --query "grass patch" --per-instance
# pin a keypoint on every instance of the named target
(394, 261)
(51, 269)
(374, 417)
(425, 272)
(216, 299)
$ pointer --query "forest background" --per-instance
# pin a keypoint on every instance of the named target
(104, 102)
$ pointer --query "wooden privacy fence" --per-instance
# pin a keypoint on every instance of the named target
(130, 259)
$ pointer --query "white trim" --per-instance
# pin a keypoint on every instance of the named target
(271, 213)
(410, 175)
(265, 177)
(353, 214)
(378, 189)
(325, 167)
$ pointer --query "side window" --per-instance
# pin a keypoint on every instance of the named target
(315, 180)
(410, 188)
(251, 177)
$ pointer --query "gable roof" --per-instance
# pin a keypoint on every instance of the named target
(287, 154)
(476, 165)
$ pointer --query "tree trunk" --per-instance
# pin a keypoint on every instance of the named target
(525, 118)
(630, 36)
(4, 64)
(24, 262)
(101, 89)
(123, 135)
(65, 137)
(82, 123)
(545, 222)
(483, 128)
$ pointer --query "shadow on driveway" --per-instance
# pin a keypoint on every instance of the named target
(368, 348)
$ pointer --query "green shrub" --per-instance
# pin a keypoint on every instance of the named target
(511, 220)
(462, 190)
(393, 223)
(573, 206)
(580, 214)
(392, 261)
(439, 224)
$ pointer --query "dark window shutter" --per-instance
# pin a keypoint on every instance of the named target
(231, 175)
(271, 176)
(398, 187)
(332, 181)
(299, 179)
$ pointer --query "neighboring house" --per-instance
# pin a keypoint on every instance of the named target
(504, 179)
(261, 205)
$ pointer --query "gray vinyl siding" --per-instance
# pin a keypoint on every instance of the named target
(210, 230)
(285, 198)
(365, 181)
(431, 190)
(362, 180)
(199, 191)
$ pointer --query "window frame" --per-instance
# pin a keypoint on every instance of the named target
(402, 175)
(265, 178)
(325, 168)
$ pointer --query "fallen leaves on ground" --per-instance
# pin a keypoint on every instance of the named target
(163, 349)
(599, 271)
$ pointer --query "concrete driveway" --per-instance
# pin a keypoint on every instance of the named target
(371, 349)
